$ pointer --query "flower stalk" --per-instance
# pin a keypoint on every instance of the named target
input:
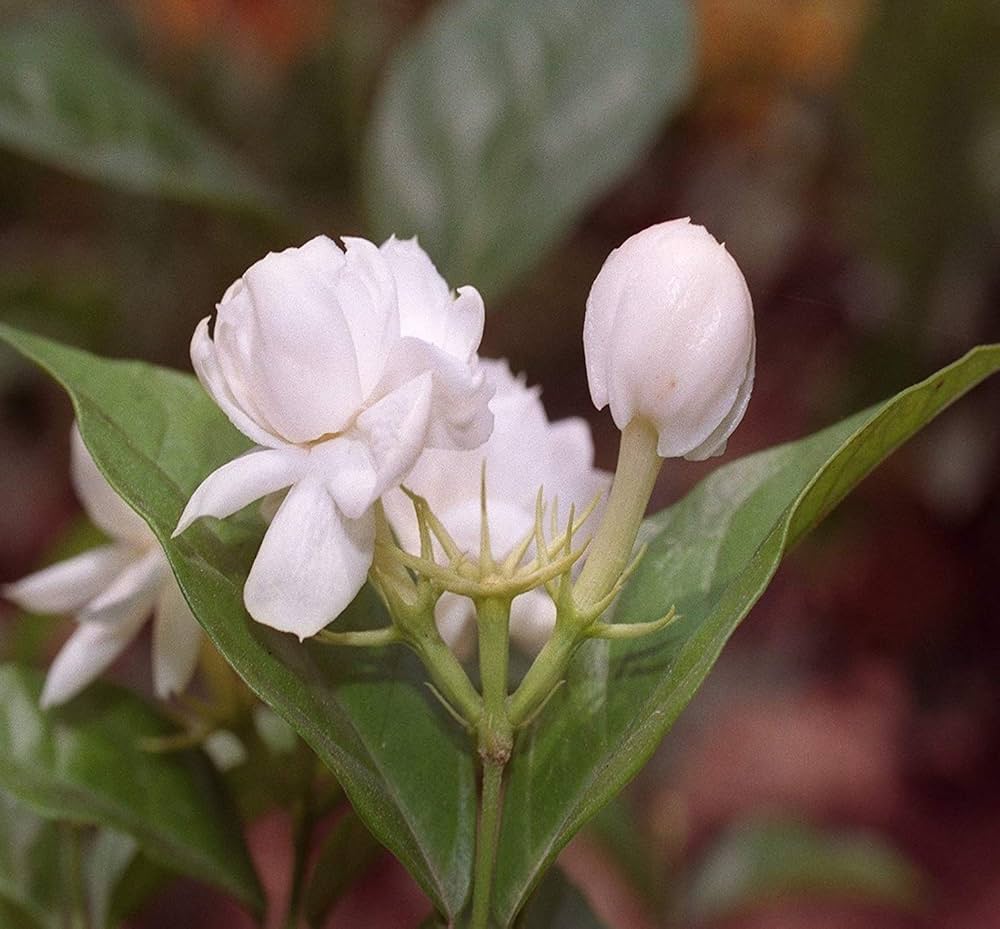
(495, 743)
(611, 548)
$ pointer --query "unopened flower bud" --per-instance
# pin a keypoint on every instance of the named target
(669, 337)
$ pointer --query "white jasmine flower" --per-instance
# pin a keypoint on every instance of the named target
(342, 366)
(525, 452)
(111, 591)
(669, 336)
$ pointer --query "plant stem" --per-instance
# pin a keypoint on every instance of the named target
(608, 556)
(611, 547)
(487, 840)
(496, 740)
(448, 675)
(543, 676)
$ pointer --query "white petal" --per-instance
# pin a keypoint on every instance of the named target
(289, 345)
(460, 416)
(466, 318)
(715, 444)
(102, 503)
(311, 564)
(570, 471)
(454, 617)
(176, 642)
(346, 469)
(241, 481)
(87, 653)
(206, 365)
(366, 293)
(135, 587)
(532, 619)
(68, 585)
(509, 523)
(395, 430)
(427, 309)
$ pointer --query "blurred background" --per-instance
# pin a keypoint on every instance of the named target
(840, 767)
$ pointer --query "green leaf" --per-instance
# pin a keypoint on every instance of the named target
(37, 871)
(367, 714)
(502, 119)
(557, 904)
(118, 879)
(83, 762)
(759, 862)
(66, 100)
(31, 863)
(348, 851)
(712, 555)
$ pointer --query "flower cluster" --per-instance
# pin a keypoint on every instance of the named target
(385, 448)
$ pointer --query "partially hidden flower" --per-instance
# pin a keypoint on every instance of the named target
(341, 366)
(669, 336)
(111, 591)
(525, 452)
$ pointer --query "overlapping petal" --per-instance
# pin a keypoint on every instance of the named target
(205, 361)
(242, 481)
(395, 430)
(177, 639)
(100, 501)
(137, 584)
(92, 648)
(283, 340)
(311, 564)
(67, 585)
(427, 309)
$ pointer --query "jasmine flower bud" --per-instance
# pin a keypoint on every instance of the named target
(669, 338)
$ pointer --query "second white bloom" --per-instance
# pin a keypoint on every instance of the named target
(525, 452)
(342, 366)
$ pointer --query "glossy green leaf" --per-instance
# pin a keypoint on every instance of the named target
(347, 852)
(557, 904)
(759, 862)
(711, 555)
(502, 119)
(366, 713)
(66, 100)
(84, 763)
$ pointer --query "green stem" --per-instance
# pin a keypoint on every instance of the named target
(486, 844)
(496, 740)
(448, 675)
(611, 547)
(543, 676)
(608, 556)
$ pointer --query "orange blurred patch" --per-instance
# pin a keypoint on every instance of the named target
(809, 42)
(276, 32)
